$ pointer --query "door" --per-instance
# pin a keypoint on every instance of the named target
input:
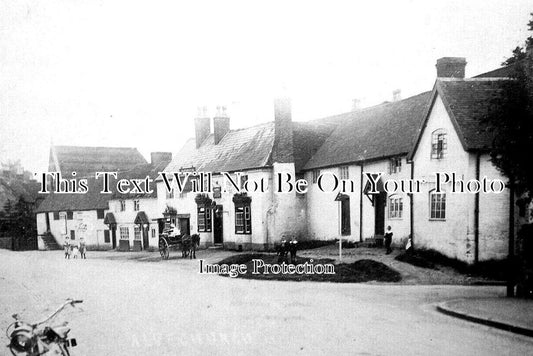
(146, 238)
(345, 217)
(114, 237)
(379, 209)
(217, 225)
(185, 227)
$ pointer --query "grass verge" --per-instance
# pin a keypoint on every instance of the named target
(357, 272)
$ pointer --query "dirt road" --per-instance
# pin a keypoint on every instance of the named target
(166, 308)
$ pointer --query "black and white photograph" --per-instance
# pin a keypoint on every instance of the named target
(266, 177)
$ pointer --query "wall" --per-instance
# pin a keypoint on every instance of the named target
(260, 205)
(455, 236)
(323, 212)
(127, 218)
(84, 223)
(493, 216)
(401, 227)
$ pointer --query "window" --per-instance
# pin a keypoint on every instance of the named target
(136, 205)
(437, 206)
(106, 237)
(204, 218)
(243, 219)
(316, 174)
(439, 144)
(72, 234)
(100, 213)
(343, 172)
(122, 205)
(244, 179)
(56, 215)
(395, 207)
(136, 232)
(395, 165)
(153, 232)
(124, 233)
(170, 195)
(70, 215)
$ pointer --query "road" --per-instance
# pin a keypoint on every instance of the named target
(167, 308)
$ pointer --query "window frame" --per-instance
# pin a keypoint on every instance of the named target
(439, 143)
(100, 214)
(344, 172)
(315, 174)
(437, 209)
(136, 205)
(124, 233)
(122, 205)
(395, 203)
(204, 214)
(395, 165)
(243, 219)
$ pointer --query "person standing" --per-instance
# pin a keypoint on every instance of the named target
(66, 247)
(82, 248)
(388, 239)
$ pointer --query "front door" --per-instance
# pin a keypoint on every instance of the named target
(345, 217)
(379, 209)
(217, 225)
(146, 242)
(185, 227)
(114, 237)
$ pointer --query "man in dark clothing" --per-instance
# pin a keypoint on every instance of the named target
(388, 239)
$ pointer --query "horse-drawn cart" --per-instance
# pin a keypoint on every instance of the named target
(170, 239)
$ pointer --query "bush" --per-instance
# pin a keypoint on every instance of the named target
(494, 269)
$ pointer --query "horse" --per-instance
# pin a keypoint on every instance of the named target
(189, 245)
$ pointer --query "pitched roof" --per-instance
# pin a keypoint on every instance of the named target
(249, 148)
(468, 102)
(384, 130)
(503, 72)
(87, 160)
(93, 199)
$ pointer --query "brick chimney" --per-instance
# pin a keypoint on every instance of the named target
(451, 67)
(160, 157)
(202, 126)
(283, 145)
(220, 124)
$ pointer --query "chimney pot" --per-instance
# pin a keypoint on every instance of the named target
(451, 67)
(396, 95)
(356, 103)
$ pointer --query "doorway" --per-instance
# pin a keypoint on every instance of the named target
(345, 217)
(146, 237)
(379, 210)
(184, 225)
(217, 225)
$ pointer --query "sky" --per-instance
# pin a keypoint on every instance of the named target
(133, 73)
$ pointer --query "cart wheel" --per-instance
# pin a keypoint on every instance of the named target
(163, 249)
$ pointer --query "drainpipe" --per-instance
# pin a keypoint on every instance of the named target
(510, 259)
(361, 206)
(476, 214)
(411, 206)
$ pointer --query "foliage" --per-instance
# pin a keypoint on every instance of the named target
(511, 121)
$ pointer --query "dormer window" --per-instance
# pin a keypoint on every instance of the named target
(439, 145)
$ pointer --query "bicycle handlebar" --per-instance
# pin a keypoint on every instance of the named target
(67, 302)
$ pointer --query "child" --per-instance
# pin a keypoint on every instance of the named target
(388, 239)
(66, 247)
(75, 251)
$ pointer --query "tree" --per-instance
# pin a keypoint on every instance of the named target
(511, 122)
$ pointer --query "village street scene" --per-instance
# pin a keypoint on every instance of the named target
(184, 207)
